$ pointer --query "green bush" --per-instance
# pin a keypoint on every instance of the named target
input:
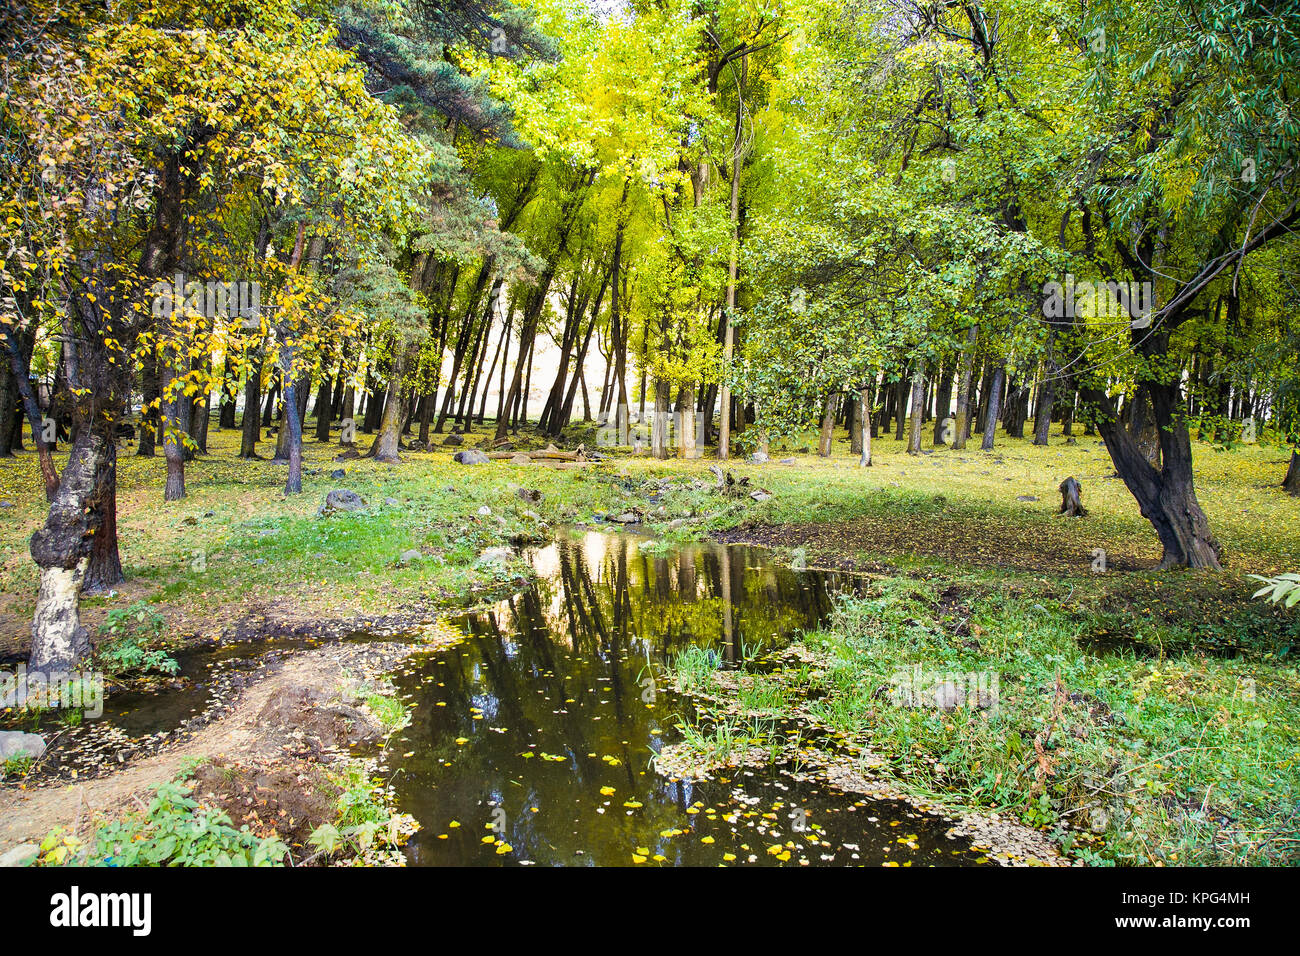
(175, 830)
(130, 648)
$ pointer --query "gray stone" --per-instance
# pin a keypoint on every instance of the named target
(759, 458)
(1025, 497)
(341, 499)
(24, 854)
(531, 495)
(408, 556)
(391, 502)
(471, 456)
(338, 473)
(454, 440)
(14, 743)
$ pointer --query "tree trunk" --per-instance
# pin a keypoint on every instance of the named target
(9, 409)
(826, 442)
(61, 549)
(918, 400)
(993, 404)
(324, 407)
(902, 390)
(686, 443)
(252, 407)
(1292, 481)
(1166, 497)
(293, 432)
(961, 427)
(1046, 398)
(659, 431)
(943, 405)
(174, 407)
(387, 444)
(104, 571)
(864, 420)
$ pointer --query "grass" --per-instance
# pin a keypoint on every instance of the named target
(237, 544)
(1159, 750)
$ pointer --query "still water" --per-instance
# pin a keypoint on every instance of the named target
(532, 741)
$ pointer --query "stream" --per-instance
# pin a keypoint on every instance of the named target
(532, 741)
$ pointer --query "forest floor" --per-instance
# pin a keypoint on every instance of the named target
(1157, 708)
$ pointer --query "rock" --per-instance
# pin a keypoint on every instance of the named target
(627, 517)
(471, 456)
(454, 440)
(531, 495)
(1026, 498)
(494, 556)
(24, 854)
(759, 458)
(350, 455)
(1098, 820)
(338, 474)
(7, 504)
(342, 500)
(788, 461)
(484, 511)
(762, 494)
(391, 502)
(14, 743)
(408, 556)
(520, 459)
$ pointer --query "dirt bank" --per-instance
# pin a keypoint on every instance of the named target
(296, 712)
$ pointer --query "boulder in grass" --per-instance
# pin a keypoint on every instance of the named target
(530, 495)
(454, 440)
(14, 743)
(521, 459)
(341, 499)
(470, 456)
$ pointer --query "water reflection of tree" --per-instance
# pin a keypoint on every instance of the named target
(580, 636)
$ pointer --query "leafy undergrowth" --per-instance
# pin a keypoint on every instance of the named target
(1171, 743)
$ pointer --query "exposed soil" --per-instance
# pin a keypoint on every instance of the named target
(267, 747)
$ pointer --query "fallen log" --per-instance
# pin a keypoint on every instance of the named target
(543, 455)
